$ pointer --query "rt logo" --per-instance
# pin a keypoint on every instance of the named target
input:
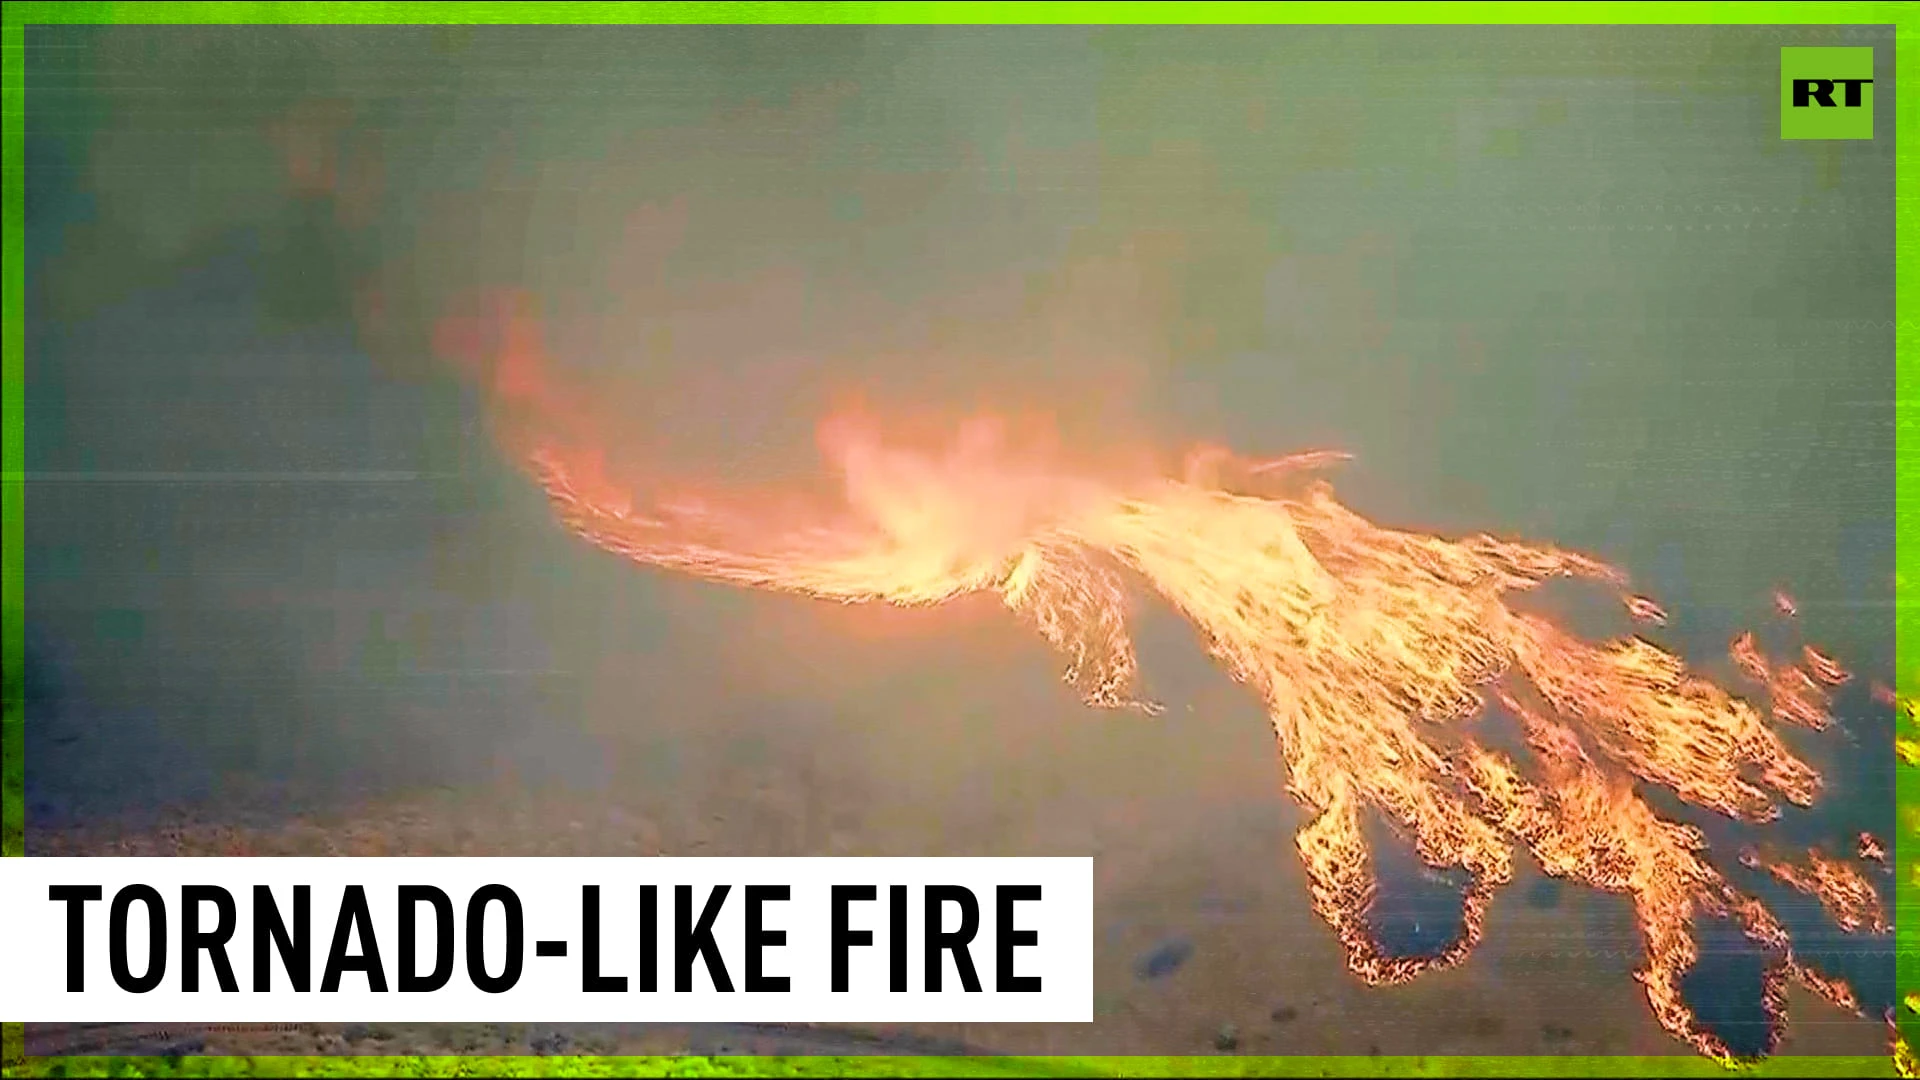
(1826, 93)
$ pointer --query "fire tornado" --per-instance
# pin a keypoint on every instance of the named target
(1377, 653)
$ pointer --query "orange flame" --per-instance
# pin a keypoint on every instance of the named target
(1746, 656)
(1871, 849)
(1825, 669)
(1646, 610)
(1847, 895)
(1798, 697)
(1373, 649)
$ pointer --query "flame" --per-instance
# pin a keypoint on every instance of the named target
(1824, 668)
(1785, 604)
(1646, 610)
(1799, 697)
(1847, 895)
(1871, 849)
(1377, 653)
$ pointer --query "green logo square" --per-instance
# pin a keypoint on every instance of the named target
(1826, 93)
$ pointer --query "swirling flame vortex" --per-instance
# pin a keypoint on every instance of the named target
(1375, 651)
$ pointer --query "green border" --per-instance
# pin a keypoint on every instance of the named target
(20, 13)
(944, 1066)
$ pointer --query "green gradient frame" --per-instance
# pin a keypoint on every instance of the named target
(1905, 18)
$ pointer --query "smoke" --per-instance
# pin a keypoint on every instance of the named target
(666, 254)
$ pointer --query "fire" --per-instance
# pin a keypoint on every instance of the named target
(1646, 610)
(1825, 669)
(1785, 604)
(1871, 849)
(1848, 897)
(1377, 652)
(1799, 697)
